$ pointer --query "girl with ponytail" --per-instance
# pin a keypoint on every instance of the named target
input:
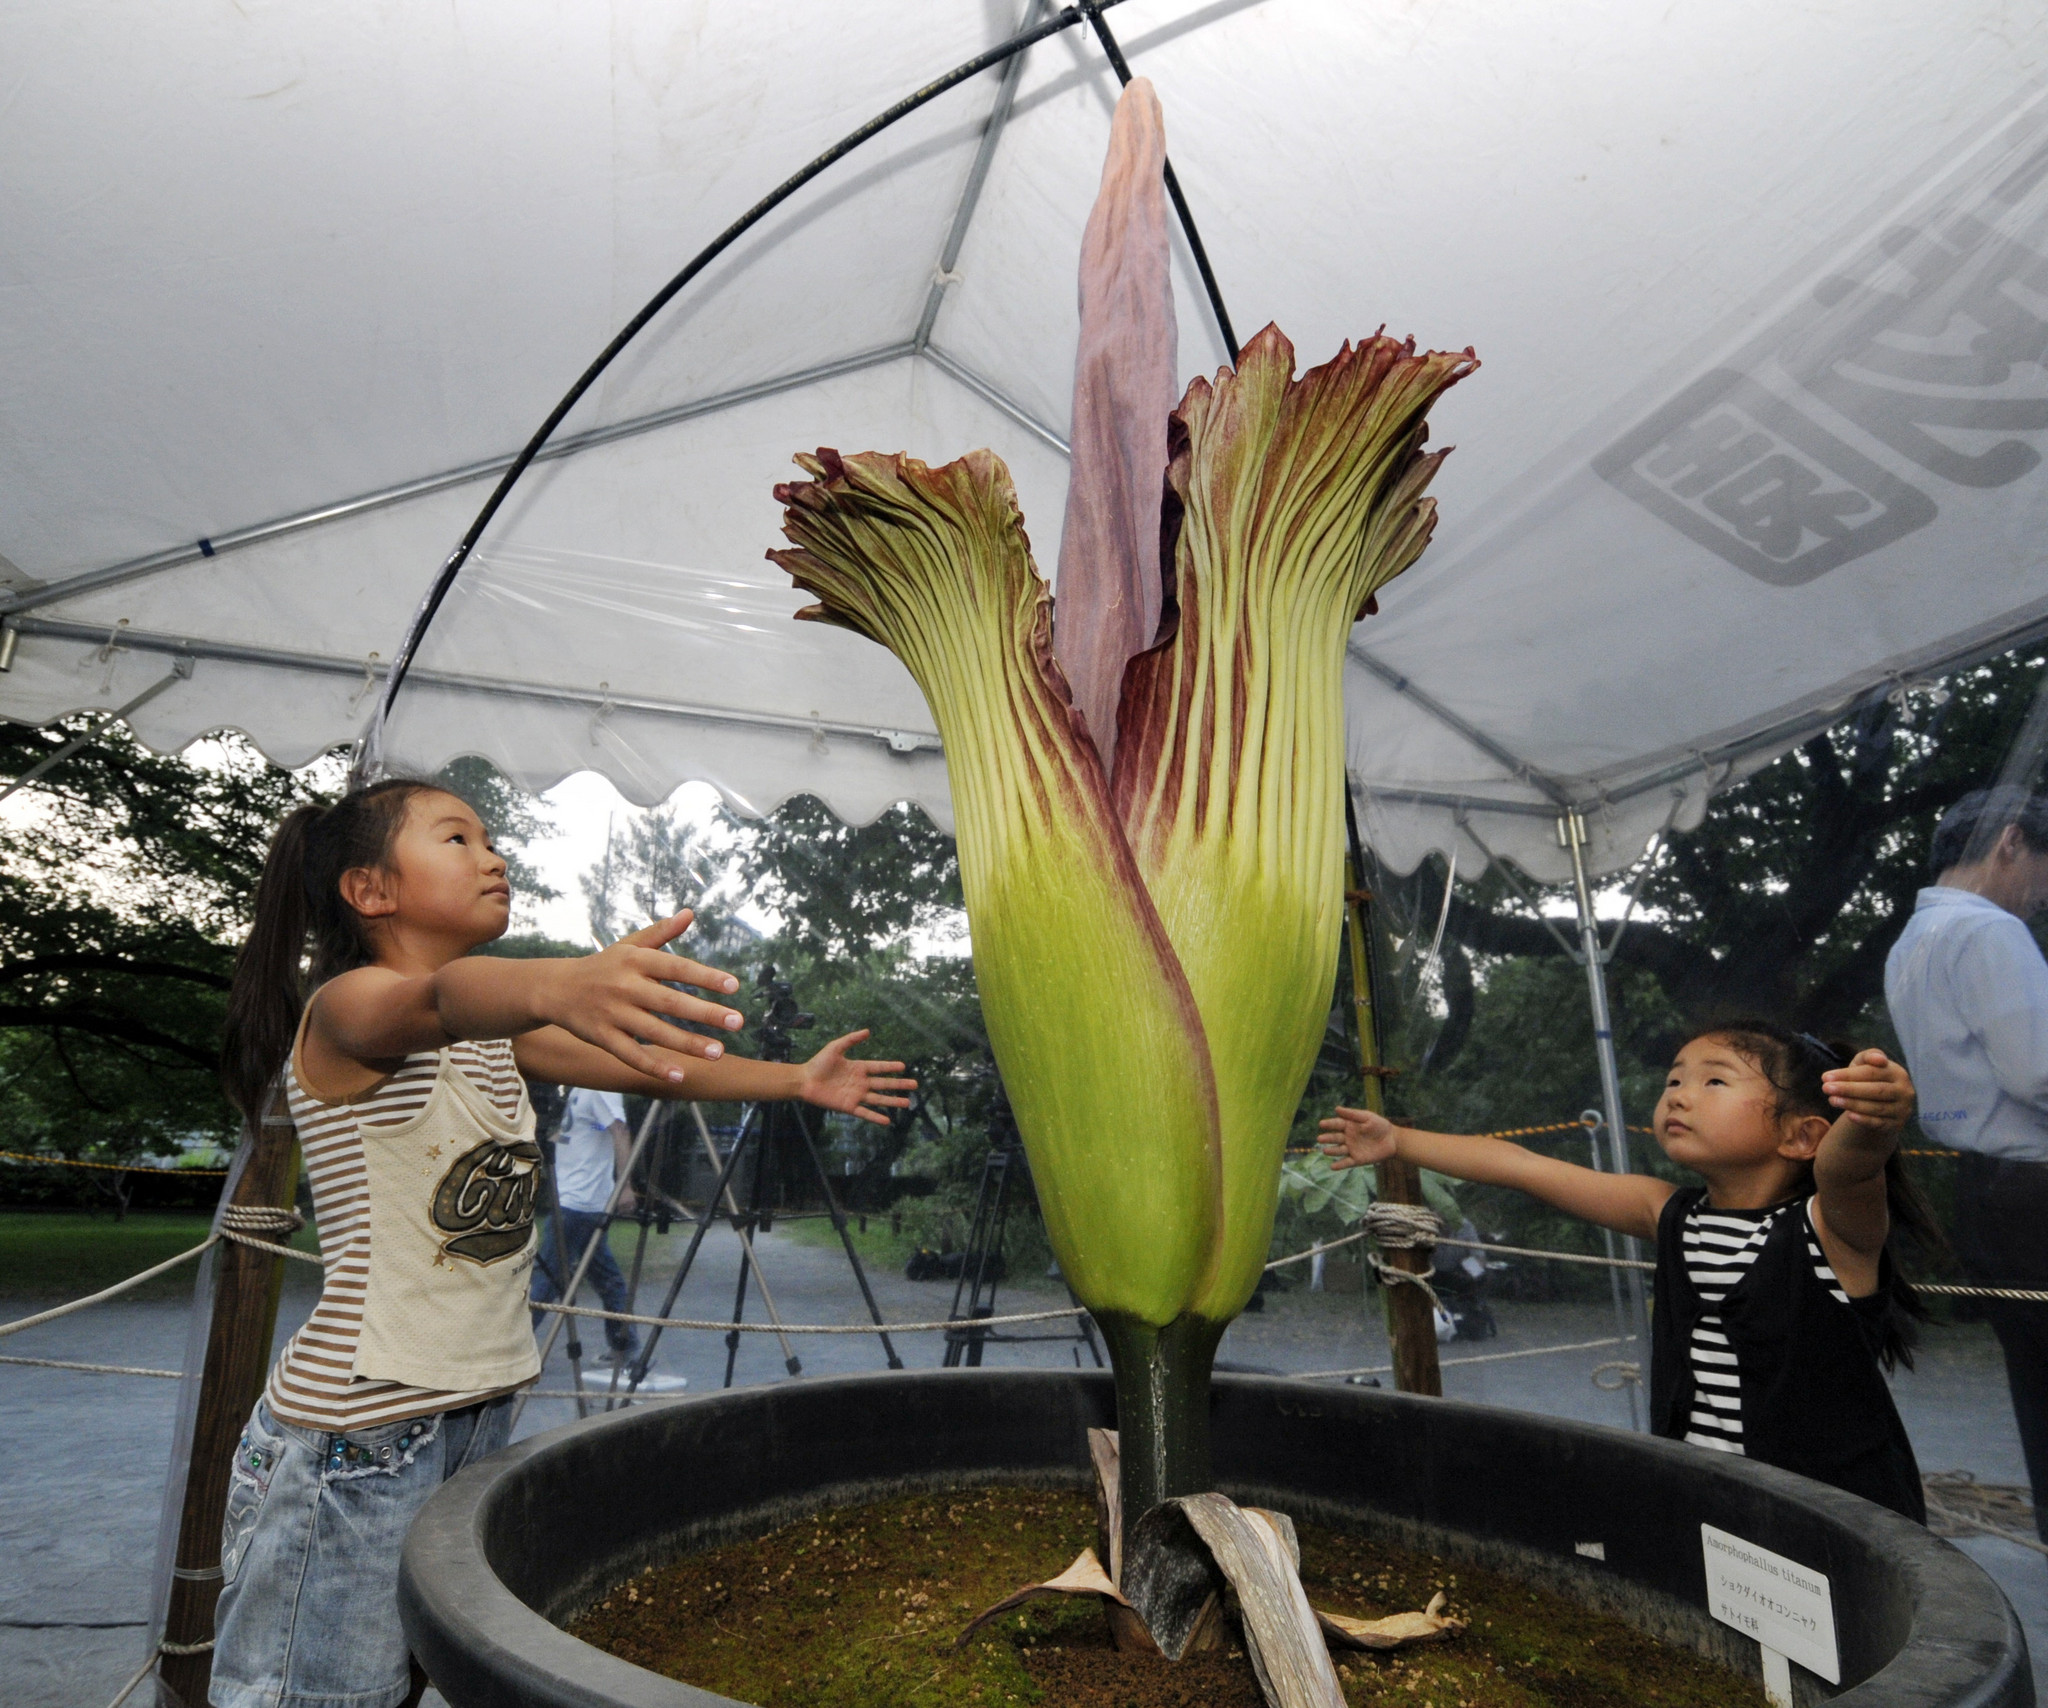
(1778, 1305)
(401, 1058)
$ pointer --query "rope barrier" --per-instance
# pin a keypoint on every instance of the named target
(240, 1224)
(723, 1326)
(1476, 1358)
(156, 1654)
(115, 1167)
(94, 1369)
(1554, 1256)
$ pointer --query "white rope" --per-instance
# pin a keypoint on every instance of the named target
(240, 1223)
(1477, 1358)
(1315, 1251)
(95, 1369)
(118, 1288)
(723, 1326)
(149, 1666)
(1947, 1290)
(1554, 1256)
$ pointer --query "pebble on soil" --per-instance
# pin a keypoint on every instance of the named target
(859, 1608)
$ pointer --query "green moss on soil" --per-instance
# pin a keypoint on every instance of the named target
(859, 1608)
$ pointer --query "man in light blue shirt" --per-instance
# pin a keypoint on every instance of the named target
(1968, 993)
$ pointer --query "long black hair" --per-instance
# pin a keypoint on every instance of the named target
(297, 897)
(1793, 1062)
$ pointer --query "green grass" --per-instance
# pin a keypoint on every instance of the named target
(62, 1254)
(877, 1246)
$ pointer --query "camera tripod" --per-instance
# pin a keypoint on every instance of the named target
(981, 1265)
(779, 1139)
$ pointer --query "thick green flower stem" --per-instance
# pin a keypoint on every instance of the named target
(1162, 1409)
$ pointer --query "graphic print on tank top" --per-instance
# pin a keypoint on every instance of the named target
(1721, 1248)
(463, 1199)
(485, 1201)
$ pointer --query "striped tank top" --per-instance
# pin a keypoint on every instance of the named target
(313, 1382)
(1721, 1247)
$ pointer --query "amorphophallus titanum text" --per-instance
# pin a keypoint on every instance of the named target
(1147, 779)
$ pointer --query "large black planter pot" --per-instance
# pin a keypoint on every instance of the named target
(534, 1534)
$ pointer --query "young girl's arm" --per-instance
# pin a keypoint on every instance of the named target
(831, 1079)
(366, 1021)
(1627, 1203)
(1850, 1209)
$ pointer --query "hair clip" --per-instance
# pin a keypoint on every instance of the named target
(1826, 1052)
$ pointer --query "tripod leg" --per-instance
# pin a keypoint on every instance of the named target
(574, 1347)
(1086, 1325)
(989, 1254)
(682, 1274)
(547, 1344)
(764, 1157)
(790, 1361)
(666, 1120)
(846, 1239)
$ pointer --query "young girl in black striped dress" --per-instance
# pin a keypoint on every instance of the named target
(1778, 1308)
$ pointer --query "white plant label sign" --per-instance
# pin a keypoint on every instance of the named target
(1785, 1606)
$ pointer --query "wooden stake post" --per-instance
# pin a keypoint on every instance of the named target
(1411, 1322)
(246, 1283)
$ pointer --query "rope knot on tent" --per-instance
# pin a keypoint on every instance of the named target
(1401, 1227)
(259, 1219)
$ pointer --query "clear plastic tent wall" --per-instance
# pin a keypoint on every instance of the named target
(1757, 288)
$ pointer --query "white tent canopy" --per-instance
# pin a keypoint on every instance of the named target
(1761, 290)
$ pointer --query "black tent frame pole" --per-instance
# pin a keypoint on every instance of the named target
(370, 752)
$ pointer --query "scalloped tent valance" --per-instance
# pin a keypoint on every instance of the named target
(1761, 290)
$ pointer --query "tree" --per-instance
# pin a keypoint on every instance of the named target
(1790, 893)
(125, 883)
(1785, 901)
(864, 915)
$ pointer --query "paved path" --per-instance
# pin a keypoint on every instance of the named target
(84, 1456)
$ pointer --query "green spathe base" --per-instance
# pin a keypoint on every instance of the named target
(1162, 1408)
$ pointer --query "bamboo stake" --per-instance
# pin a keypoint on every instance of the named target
(1411, 1323)
(245, 1289)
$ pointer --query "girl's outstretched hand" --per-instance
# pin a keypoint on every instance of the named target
(1872, 1091)
(834, 1080)
(620, 996)
(1353, 1138)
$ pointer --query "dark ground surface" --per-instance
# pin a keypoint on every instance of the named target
(84, 1456)
(865, 1604)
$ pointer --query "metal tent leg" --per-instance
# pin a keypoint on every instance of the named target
(1572, 833)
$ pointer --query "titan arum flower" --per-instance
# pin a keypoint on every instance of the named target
(1147, 778)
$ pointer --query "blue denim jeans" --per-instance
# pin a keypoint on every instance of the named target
(308, 1613)
(603, 1273)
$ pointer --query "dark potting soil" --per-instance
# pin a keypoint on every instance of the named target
(859, 1608)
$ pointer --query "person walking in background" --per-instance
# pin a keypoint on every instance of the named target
(1968, 992)
(591, 1148)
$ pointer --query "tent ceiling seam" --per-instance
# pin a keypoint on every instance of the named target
(977, 177)
(597, 699)
(989, 394)
(1494, 750)
(135, 569)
